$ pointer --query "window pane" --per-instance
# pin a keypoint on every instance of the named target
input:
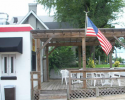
(5, 64)
(12, 65)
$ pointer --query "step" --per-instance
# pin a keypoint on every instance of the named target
(53, 95)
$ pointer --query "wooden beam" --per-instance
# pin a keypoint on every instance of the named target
(38, 64)
(52, 50)
(44, 45)
(119, 41)
(72, 44)
(59, 35)
(47, 63)
(79, 56)
(110, 59)
(73, 35)
(84, 60)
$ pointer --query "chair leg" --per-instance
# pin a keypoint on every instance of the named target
(111, 82)
(119, 83)
(91, 82)
(94, 82)
(62, 80)
(66, 81)
(101, 81)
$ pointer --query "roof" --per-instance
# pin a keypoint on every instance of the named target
(47, 21)
(31, 12)
(74, 36)
(58, 25)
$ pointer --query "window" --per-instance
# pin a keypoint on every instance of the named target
(33, 61)
(8, 65)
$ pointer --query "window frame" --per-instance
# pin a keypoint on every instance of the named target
(9, 56)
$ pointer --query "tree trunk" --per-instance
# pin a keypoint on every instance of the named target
(92, 52)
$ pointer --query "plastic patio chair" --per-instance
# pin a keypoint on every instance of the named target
(97, 75)
(65, 75)
(106, 81)
(113, 75)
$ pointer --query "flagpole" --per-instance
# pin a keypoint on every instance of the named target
(84, 52)
(86, 22)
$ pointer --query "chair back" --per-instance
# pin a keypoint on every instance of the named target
(65, 73)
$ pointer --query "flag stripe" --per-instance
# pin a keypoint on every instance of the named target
(92, 30)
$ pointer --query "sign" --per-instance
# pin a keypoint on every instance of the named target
(33, 45)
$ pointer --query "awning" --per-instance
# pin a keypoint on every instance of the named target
(11, 44)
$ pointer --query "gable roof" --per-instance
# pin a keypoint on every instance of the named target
(31, 12)
(59, 25)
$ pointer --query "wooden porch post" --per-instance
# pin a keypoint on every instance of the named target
(110, 59)
(84, 60)
(79, 55)
(47, 63)
(38, 64)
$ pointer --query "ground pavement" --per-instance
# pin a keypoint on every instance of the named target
(111, 97)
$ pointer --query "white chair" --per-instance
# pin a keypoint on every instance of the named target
(115, 75)
(76, 75)
(90, 75)
(106, 81)
(97, 75)
(65, 75)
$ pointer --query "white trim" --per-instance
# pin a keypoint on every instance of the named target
(20, 25)
(31, 12)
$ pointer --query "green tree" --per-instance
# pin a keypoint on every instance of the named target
(101, 12)
(61, 57)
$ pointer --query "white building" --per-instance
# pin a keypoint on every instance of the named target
(16, 54)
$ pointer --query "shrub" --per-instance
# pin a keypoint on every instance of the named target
(91, 63)
(96, 62)
(117, 63)
(61, 57)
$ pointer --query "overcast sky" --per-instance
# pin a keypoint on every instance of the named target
(19, 8)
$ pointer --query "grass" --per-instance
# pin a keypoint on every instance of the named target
(106, 66)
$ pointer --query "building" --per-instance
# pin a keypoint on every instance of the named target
(4, 18)
(16, 54)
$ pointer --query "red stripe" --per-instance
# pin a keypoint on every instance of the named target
(91, 35)
(15, 29)
(105, 44)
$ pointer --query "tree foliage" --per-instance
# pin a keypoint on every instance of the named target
(101, 12)
(61, 57)
(118, 45)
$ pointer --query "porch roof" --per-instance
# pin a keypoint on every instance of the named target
(74, 37)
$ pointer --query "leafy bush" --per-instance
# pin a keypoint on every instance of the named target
(91, 63)
(61, 57)
(96, 62)
(117, 63)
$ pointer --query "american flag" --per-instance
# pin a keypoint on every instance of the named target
(92, 30)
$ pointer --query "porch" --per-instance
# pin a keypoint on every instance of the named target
(73, 37)
(53, 89)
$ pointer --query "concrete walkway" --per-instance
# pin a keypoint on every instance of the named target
(111, 97)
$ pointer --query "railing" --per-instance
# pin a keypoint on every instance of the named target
(89, 71)
(38, 79)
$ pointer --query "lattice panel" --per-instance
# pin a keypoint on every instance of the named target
(36, 94)
(82, 93)
(111, 91)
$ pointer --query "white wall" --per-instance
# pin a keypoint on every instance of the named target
(23, 67)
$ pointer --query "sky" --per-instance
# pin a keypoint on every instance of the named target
(20, 8)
